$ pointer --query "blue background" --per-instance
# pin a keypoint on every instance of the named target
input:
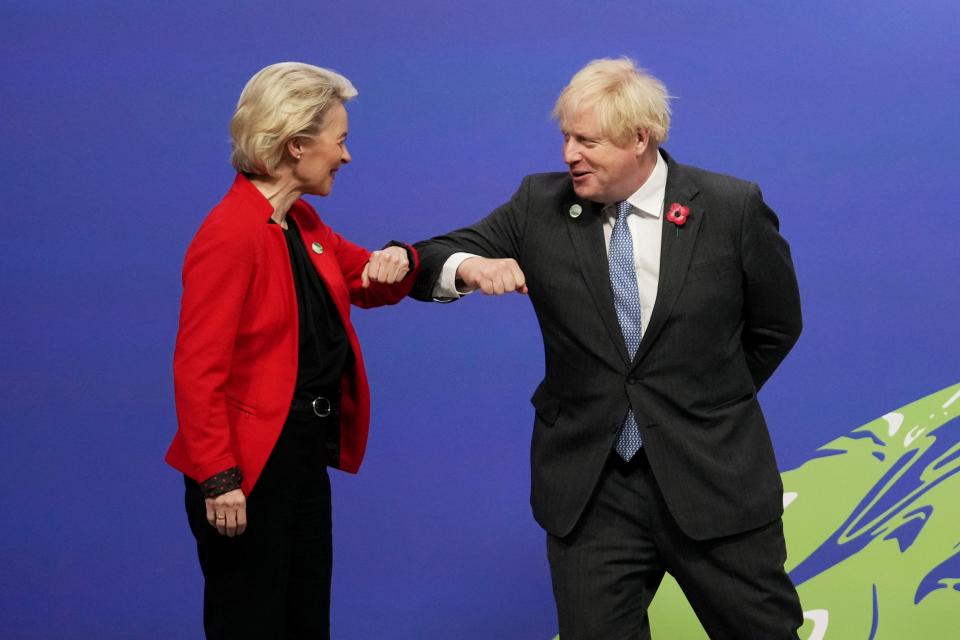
(114, 129)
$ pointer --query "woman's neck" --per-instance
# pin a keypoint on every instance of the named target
(280, 191)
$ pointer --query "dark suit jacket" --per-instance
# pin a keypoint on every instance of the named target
(726, 314)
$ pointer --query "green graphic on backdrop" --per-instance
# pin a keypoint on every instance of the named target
(873, 532)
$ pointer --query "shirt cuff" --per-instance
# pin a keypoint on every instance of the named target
(446, 287)
(222, 482)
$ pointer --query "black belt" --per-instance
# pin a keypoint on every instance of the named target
(322, 406)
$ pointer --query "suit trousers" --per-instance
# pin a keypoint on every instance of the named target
(273, 581)
(606, 571)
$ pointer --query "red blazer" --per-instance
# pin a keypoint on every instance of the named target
(235, 363)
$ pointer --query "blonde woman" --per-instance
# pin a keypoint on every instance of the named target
(269, 379)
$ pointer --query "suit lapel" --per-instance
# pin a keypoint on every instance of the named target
(676, 249)
(586, 233)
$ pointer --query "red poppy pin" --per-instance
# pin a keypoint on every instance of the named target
(677, 214)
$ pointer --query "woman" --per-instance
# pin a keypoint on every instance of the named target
(269, 379)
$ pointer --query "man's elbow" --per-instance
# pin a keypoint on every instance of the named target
(793, 331)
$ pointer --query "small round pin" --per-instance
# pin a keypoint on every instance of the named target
(575, 211)
(317, 247)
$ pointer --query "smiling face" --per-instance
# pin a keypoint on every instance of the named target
(603, 170)
(319, 156)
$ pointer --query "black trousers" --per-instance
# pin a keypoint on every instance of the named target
(273, 581)
(606, 572)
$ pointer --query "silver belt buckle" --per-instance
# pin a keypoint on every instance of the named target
(322, 407)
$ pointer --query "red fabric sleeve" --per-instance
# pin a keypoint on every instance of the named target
(217, 273)
(353, 258)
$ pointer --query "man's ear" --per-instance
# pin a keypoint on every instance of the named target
(643, 141)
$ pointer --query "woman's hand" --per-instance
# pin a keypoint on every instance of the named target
(387, 266)
(228, 513)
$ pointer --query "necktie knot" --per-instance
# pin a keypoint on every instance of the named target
(623, 210)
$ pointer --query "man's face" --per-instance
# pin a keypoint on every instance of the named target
(602, 170)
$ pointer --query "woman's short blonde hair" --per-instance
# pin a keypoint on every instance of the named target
(624, 97)
(280, 102)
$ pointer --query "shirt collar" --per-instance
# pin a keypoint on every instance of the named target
(649, 197)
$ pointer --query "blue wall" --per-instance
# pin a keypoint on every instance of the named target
(114, 129)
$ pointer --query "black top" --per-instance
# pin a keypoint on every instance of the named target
(324, 350)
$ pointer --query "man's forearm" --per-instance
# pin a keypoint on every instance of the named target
(447, 287)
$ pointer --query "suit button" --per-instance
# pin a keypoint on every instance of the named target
(633, 380)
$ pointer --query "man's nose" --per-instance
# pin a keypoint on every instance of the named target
(571, 152)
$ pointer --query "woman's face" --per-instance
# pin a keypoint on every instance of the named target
(322, 154)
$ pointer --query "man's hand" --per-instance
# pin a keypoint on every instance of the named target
(228, 513)
(387, 266)
(492, 276)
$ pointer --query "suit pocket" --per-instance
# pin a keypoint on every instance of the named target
(716, 269)
(241, 406)
(732, 401)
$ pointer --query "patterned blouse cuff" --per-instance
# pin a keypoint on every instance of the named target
(222, 482)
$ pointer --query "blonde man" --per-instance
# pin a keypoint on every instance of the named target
(666, 297)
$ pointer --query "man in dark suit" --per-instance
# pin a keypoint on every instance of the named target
(666, 298)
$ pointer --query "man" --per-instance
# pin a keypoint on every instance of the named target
(666, 298)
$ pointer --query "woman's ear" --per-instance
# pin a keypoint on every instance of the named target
(295, 147)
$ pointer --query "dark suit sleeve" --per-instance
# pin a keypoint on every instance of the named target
(499, 235)
(772, 320)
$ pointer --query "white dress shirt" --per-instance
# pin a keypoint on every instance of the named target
(646, 227)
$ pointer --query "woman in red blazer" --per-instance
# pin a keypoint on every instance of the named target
(269, 379)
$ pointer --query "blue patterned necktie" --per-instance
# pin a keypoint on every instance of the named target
(626, 301)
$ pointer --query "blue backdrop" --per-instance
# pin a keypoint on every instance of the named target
(114, 129)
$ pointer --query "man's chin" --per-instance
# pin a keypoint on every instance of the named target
(583, 191)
